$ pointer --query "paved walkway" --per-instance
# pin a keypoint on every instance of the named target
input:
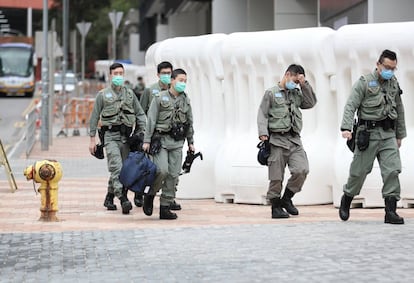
(208, 242)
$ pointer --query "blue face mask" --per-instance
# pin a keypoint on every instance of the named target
(387, 74)
(290, 85)
(165, 79)
(117, 80)
(180, 86)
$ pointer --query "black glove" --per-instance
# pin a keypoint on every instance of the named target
(189, 160)
(155, 146)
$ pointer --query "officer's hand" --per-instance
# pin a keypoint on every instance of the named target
(346, 135)
(191, 148)
(399, 142)
(146, 146)
(301, 79)
(92, 146)
(263, 138)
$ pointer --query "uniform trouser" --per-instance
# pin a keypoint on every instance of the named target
(168, 162)
(297, 161)
(387, 153)
(116, 151)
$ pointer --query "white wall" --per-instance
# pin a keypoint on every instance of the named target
(385, 11)
(229, 16)
(295, 14)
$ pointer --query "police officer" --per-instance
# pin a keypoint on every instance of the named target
(170, 116)
(279, 120)
(164, 70)
(381, 127)
(119, 111)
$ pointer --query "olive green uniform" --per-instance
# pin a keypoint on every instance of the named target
(118, 112)
(376, 101)
(166, 108)
(279, 117)
(149, 94)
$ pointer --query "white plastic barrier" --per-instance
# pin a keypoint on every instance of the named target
(252, 63)
(357, 49)
(198, 56)
(227, 77)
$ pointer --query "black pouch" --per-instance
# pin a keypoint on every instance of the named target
(363, 139)
(179, 131)
(388, 124)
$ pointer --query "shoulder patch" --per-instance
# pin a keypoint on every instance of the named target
(278, 94)
(108, 94)
(165, 98)
(155, 91)
(373, 83)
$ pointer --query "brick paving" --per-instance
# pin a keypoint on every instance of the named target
(210, 241)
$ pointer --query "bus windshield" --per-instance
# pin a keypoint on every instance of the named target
(16, 61)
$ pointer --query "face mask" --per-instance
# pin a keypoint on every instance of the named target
(117, 80)
(165, 79)
(290, 85)
(180, 87)
(387, 74)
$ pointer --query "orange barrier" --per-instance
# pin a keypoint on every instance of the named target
(77, 113)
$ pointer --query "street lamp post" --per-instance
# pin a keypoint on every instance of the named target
(115, 18)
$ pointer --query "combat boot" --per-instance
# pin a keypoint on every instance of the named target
(165, 213)
(138, 200)
(287, 202)
(126, 204)
(175, 206)
(148, 204)
(345, 206)
(391, 215)
(109, 201)
(277, 210)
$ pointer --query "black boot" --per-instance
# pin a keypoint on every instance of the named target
(277, 210)
(109, 201)
(138, 199)
(126, 204)
(148, 204)
(165, 213)
(391, 215)
(175, 206)
(345, 206)
(287, 202)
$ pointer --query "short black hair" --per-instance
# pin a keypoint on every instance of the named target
(115, 66)
(177, 72)
(387, 54)
(164, 65)
(295, 69)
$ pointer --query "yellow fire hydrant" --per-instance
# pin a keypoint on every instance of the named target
(48, 173)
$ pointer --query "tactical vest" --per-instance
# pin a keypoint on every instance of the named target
(171, 110)
(118, 108)
(379, 100)
(284, 112)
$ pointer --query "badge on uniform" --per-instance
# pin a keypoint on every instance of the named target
(165, 98)
(108, 95)
(372, 83)
(154, 91)
(278, 94)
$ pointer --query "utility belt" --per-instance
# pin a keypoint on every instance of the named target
(386, 124)
(178, 131)
(290, 132)
(123, 129)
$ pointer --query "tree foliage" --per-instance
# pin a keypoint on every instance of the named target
(95, 12)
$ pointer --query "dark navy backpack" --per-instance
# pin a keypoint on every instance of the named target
(137, 172)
